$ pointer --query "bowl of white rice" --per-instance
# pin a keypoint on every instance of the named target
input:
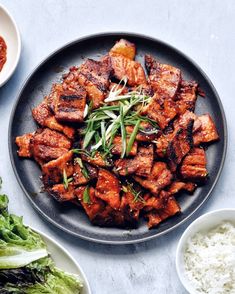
(205, 256)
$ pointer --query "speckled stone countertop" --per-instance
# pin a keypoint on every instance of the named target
(204, 30)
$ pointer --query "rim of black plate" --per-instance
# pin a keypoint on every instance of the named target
(113, 34)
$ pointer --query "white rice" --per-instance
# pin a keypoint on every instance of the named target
(209, 260)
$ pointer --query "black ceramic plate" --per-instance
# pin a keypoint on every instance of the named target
(67, 216)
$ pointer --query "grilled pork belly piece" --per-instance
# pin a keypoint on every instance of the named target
(142, 135)
(52, 171)
(194, 165)
(67, 104)
(184, 118)
(181, 122)
(83, 174)
(131, 207)
(93, 206)
(140, 165)
(45, 118)
(157, 180)
(178, 186)
(180, 145)
(155, 217)
(187, 96)
(108, 188)
(48, 145)
(124, 48)
(117, 146)
(96, 160)
(94, 76)
(153, 202)
(61, 194)
(165, 79)
(207, 133)
(162, 111)
(123, 66)
(24, 144)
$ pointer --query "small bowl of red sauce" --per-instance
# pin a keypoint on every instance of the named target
(10, 45)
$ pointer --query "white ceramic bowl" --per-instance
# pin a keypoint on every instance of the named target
(202, 224)
(11, 35)
(64, 260)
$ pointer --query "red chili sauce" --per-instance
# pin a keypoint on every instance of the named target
(3, 52)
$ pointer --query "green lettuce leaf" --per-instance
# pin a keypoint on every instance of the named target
(42, 277)
(19, 245)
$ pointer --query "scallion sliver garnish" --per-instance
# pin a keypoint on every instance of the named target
(86, 195)
(132, 138)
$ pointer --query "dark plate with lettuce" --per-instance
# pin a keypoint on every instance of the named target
(33, 263)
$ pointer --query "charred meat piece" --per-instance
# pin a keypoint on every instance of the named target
(159, 178)
(117, 146)
(24, 144)
(109, 217)
(147, 132)
(83, 173)
(45, 118)
(140, 165)
(96, 160)
(131, 207)
(94, 76)
(194, 165)
(124, 48)
(125, 67)
(48, 145)
(171, 208)
(52, 171)
(187, 96)
(164, 79)
(155, 217)
(184, 118)
(180, 145)
(207, 133)
(161, 111)
(178, 186)
(61, 194)
(181, 122)
(153, 203)
(162, 144)
(71, 105)
(93, 205)
(67, 104)
(108, 188)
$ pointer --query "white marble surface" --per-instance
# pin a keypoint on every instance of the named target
(204, 30)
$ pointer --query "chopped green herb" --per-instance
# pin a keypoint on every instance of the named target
(123, 132)
(132, 138)
(66, 180)
(83, 167)
(86, 195)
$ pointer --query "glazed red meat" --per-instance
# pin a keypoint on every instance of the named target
(117, 146)
(52, 171)
(159, 178)
(24, 144)
(140, 165)
(48, 145)
(165, 79)
(94, 205)
(94, 76)
(108, 188)
(207, 133)
(187, 96)
(45, 118)
(120, 142)
(180, 145)
(194, 165)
